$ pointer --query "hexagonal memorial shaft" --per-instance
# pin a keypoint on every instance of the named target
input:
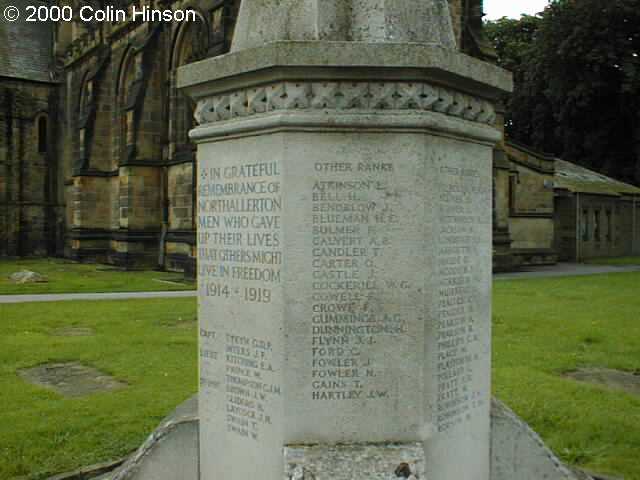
(344, 264)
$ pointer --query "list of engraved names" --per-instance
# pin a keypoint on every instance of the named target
(460, 191)
(353, 222)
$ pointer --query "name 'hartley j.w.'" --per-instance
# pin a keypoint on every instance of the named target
(143, 14)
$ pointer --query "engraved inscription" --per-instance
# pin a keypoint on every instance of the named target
(239, 261)
(353, 219)
(239, 223)
(457, 342)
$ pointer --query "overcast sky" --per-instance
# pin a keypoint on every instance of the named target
(512, 8)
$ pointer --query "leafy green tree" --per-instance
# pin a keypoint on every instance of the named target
(577, 74)
(512, 39)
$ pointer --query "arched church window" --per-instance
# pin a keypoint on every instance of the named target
(191, 43)
(85, 96)
(125, 101)
(84, 106)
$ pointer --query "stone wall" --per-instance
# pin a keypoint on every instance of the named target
(531, 192)
(532, 233)
(28, 201)
(565, 227)
(530, 205)
(181, 189)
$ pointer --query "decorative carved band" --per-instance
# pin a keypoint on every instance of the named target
(340, 96)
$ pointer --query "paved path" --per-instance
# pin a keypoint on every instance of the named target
(566, 270)
(59, 297)
(559, 270)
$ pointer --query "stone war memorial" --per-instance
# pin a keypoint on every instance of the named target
(344, 201)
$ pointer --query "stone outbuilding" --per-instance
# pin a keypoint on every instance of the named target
(595, 216)
(548, 210)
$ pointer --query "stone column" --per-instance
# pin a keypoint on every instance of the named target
(344, 260)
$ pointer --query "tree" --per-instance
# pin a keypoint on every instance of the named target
(577, 82)
(512, 39)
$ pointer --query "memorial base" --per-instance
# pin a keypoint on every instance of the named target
(171, 453)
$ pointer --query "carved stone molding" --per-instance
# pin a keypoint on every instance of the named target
(344, 96)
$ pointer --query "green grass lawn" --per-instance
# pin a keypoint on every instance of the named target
(543, 327)
(616, 261)
(149, 344)
(70, 277)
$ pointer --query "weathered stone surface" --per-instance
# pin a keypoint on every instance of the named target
(411, 61)
(27, 276)
(70, 379)
(344, 97)
(264, 21)
(171, 453)
(349, 461)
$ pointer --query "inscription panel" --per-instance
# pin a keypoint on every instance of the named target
(240, 261)
(357, 321)
(458, 364)
(461, 236)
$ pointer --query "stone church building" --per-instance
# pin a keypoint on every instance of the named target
(96, 164)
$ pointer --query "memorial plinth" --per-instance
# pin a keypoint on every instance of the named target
(344, 260)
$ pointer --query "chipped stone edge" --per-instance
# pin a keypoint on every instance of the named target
(133, 463)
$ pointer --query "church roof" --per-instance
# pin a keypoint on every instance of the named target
(577, 179)
(25, 47)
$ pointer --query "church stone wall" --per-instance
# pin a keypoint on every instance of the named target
(129, 175)
(181, 194)
(28, 200)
